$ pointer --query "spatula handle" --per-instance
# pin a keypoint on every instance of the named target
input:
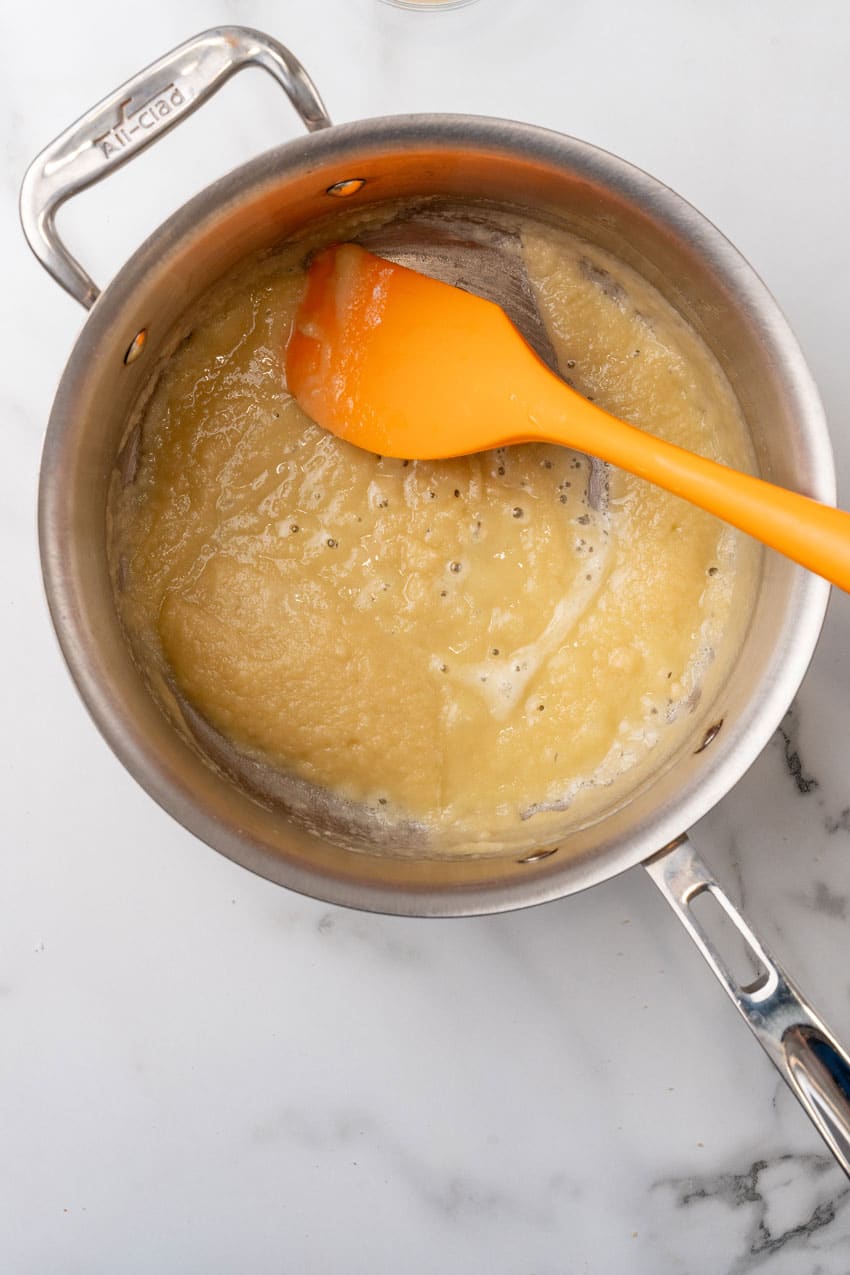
(815, 535)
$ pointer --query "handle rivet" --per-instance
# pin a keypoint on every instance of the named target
(341, 190)
(136, 346)
(709, 736)
(541, 854)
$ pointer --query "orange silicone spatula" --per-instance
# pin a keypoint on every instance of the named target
(403, 365)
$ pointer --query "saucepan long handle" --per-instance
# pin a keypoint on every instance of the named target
(135, 115)
(798, 1043)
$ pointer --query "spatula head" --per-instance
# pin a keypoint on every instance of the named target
(480, 251)
(470, 251)
(404, 365)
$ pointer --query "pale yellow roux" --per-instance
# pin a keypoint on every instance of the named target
(463, 643)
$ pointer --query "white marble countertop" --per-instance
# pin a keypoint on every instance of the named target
(204, 1072)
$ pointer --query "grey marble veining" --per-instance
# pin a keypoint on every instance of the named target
(788, 733)
(795, 1208)
(201, 1072)
(839, 822)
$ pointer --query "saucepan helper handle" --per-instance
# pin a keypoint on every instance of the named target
(135, 115)
(797, 1042)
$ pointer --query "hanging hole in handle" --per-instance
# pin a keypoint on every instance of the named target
(740, 959)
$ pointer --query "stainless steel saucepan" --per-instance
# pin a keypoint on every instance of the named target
(132, 325)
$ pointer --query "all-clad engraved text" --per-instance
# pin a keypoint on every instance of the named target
(133, 127)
